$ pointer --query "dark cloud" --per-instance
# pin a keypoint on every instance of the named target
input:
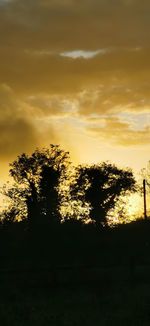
(27, 72)
(19, 130)
(33, 34)
(17, 136)
(75, 24)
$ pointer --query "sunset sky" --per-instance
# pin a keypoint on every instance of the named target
(75, 73)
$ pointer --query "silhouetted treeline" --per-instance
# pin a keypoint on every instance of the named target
(44, 231)
(41, 256)
(47, 189)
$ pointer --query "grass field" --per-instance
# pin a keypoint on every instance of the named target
(76, 277)
(105, 303)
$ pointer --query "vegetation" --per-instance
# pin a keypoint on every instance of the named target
(101, 186)
(43, 184)
(54, 266)
(36, 192)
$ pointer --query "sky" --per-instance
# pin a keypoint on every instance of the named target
(75, 73)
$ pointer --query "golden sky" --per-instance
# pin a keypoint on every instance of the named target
(75, 73)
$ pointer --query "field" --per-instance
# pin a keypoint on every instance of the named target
(90, 279)
(113, 304)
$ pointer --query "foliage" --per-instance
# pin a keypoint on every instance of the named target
(16, 196)
(47, 188)
(101, 186)
(37, 182)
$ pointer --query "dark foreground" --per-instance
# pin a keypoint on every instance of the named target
(116, 304)
(75, 277)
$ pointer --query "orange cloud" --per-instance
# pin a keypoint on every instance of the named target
(69, 63)
(120, 133)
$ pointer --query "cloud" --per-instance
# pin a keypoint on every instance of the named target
(32, 73)
(5, 2)
(64, 25)
(114, 97)
(17, 131)
(20, 131)
(30, 122)
(82, 60)
(42, 36)
(121, 133)
(51, 106)
(83, 54)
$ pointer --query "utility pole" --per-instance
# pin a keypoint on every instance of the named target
(144, 196)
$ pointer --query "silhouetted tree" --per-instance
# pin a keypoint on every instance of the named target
(101, 186)
(37, 181)
(50, 192)
(8, 216)
(16, 202)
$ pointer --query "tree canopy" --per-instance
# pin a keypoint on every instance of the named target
(42, 185)
(37, 181)
(101, 186)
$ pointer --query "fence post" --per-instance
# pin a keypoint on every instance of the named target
(144, 195)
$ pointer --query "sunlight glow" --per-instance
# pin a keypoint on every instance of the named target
(135, 206)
